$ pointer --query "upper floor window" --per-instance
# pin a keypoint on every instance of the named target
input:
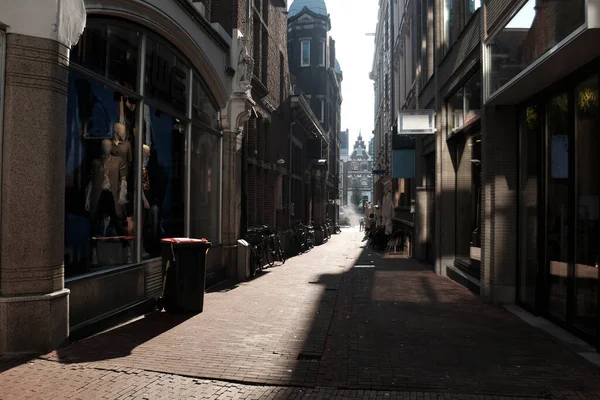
(449, 23)
(322, 116)
(465, 105)
(305, 53)
(322, 53)
(472, 6)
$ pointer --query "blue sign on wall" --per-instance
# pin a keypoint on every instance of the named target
(403, 164)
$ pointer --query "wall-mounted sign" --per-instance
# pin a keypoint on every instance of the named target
(416, 122)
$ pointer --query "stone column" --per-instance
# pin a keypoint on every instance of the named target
(499, 147)
(33, 303)
(234, 118)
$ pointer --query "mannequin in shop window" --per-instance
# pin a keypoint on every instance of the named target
(121, 147)
(106, 193)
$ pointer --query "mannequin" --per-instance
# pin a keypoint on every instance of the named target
(121, 146)
(106, 193)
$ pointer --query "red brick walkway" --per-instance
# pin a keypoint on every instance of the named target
(392, 330)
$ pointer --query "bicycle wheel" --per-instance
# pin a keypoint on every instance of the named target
(279, 250)
(260, 257)
(253, 261)
(270, 253)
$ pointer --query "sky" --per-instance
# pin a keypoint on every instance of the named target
(354, 51)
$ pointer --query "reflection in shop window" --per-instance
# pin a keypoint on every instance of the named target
(166, 76)
(205, 189)
(162, 183)
(110, 51)
(535, 29)
(587, 254)
(99, 178)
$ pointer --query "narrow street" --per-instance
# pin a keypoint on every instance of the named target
(337, 322)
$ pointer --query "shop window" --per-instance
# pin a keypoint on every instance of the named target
(103, 143)
(557, 216)
(99, 177)
(534, 30)
(111, 52)
(205, 184)
(203, 110)
(468, 204)
(166, 76)
(305, 53)
(162, 183)
(587, 254)
(531, 134)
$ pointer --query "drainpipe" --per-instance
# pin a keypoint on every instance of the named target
(244, 174)
(292, 124)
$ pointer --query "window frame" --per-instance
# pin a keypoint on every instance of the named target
(322, 53)
(304, 42)
(322, 116)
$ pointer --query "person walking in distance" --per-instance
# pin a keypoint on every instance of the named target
(362, 224)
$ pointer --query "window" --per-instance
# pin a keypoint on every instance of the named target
(104, 144)
(322, 115)
(205, 178)
(472, 6)
(449, 23)
(322, 53)
(527, 37)
(305, 53)
(465, 105)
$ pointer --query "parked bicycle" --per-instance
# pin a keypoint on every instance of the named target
(300, 237)
(273, 248)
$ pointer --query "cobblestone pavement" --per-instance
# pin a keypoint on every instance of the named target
(51, 380)
(337, 322)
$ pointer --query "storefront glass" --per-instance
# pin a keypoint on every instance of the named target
(163, 182)
(559, 204)
(205, 178)
(557, 213)
(531, 134)
(468, 203)
(587, 255)
(106, 143)
(536, 28)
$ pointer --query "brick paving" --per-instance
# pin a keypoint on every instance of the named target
(388, 328)
(51, 380)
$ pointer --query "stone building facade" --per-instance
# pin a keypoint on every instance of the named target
(317, 78)
(503, 202)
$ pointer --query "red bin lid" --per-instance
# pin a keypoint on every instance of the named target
(184, 240)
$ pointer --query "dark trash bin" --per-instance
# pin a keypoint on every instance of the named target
(184, 274)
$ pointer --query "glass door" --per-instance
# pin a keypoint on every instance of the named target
(557, 205)
(587, 230)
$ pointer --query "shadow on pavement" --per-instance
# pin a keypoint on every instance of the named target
(119, 342)
(9, 362)
(392, 324)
